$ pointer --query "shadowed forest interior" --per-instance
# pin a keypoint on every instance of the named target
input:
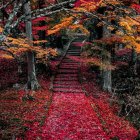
(69, 69)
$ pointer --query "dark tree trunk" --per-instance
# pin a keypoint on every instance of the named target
(133, 63)
(107, 76)
(42, 34)
(32, 80)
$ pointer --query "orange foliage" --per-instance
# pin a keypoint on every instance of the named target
(20, 46)
(81, 27)
(42, 55)
(110, 40)
(137, 47)
(88, 6)
(5, 56)
(113, 2)
(132, 42)
(128, 24)
(64, 23)
(40, 41)
(1, 29)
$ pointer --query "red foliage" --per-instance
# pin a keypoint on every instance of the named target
(40, 28)
(8, 72)
(37, 20)
(118, 64)
(74, 116)
(136, 7)
(122, 52)
(18, 114)
(36, 27)
(113, 125)
(78, 44)
(79, 2)
(109, 40)
(54, 65)
(70, 117)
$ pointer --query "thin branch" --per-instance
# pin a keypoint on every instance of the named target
(59, 5)
(5, 6)
(7, 28)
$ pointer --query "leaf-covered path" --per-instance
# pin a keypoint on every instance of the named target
(71, 115)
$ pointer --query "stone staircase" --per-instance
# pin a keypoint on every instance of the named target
(66, 80)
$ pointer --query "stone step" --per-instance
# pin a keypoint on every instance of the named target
(69, 61)
(66, 79)
(67, 90)
(73, 52)
(70, 65)
(67, 71)
(59, 92)
(65, 86)
(68, 58)
(66, 75)
(70, 83)
(74, 48)
(68, 68)
(77, 43)
(70, 52)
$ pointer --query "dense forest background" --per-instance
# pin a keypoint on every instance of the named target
(34, 36)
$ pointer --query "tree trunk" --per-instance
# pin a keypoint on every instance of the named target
(32, 80)
(133, 63)
(106, 73)
(107, 76)
(42, 34)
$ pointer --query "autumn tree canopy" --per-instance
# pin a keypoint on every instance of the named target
(118, 19)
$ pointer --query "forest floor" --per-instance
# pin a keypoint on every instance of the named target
(77, 109)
